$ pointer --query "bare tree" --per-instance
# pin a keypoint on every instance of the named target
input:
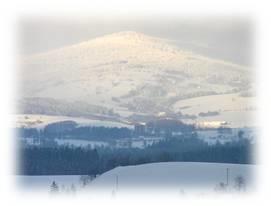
(86, 179)
(73, 189)
(221, 187)
(240, 183)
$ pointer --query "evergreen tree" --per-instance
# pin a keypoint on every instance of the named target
(54, 187)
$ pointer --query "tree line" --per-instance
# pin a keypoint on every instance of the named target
(67, 131)
(63, 160)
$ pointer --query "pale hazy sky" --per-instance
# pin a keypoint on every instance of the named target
(225, 38)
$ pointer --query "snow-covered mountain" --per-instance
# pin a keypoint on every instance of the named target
(127, 71)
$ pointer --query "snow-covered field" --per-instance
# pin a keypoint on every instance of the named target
(81, 143)
(213, 135)
(232, 108)
(172, 174)
(139, 142)
(40, 121)
(223, 102)
(43, 182)
(120, 143)
(178, 177)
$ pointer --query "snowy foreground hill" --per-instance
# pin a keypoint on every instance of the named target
(177, 177)
(173, 175)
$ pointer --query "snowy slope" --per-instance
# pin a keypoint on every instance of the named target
(238, 111)
(172, 175)
(128, 70)
(43, 182)
(176, 177)
(40, 121)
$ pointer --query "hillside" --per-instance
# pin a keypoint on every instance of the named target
(179, 178)
(236, 110)
(173, 175)
(127, 71)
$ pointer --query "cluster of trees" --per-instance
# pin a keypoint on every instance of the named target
(208, 114)
(55, 189)
(58, 161)
(50, 106)
(86, 161)
(69, 130)
(168, 126)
